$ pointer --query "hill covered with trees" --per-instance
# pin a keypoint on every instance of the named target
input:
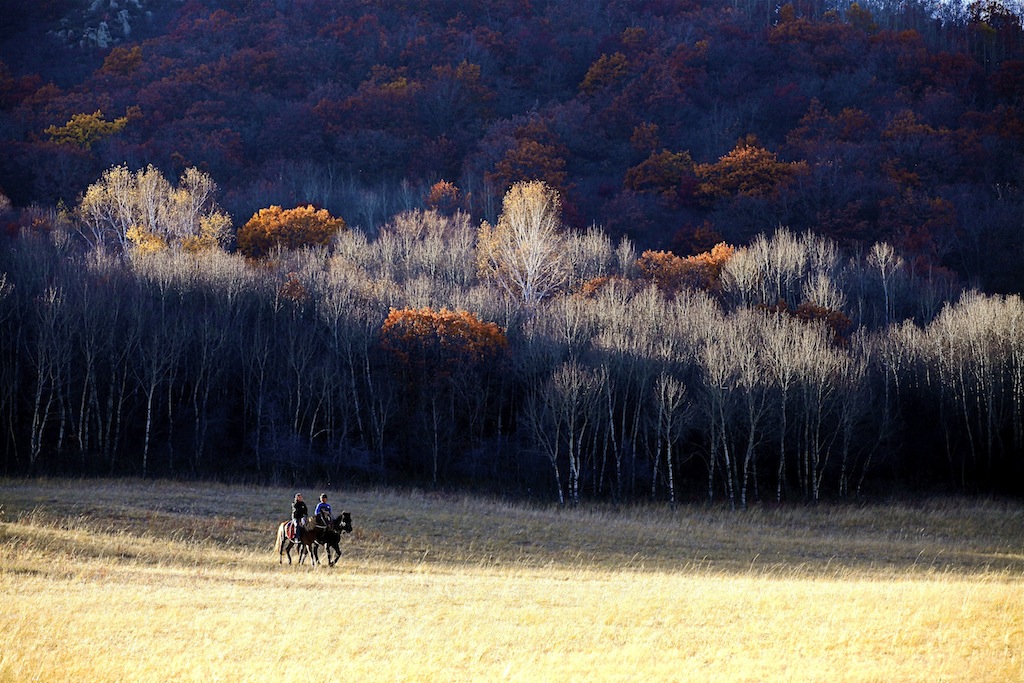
(614, 250)
(678, 124)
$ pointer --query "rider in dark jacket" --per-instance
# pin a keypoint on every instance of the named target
(299, 513)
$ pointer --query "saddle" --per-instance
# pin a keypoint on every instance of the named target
(289, 529)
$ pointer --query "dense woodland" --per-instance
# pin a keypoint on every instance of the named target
(520, 357)
(610, 250)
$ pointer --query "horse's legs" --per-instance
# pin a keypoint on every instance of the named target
(307, 550)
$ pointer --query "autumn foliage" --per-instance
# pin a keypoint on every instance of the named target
(440, 341)
(848, 117)
(607, 71)
(303, 226)
(84, 130)
(445, 197)
(580, 135)
(748, 170)
(143, 210)
(445, 361)
(671, 273)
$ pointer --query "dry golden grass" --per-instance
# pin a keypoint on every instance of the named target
(141, 581)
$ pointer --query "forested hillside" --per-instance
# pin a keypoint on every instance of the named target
(609, 250)
(676, 123)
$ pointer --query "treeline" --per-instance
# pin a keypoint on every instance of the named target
(678, 124)
(788, 369)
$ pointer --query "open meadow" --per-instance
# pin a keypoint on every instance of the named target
(160, 581)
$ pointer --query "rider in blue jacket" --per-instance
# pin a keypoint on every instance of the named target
(323, 510)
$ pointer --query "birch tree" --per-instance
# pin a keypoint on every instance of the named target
(888, 263)
(524, 253)
(50, 361)
(670, 399)
(123, 209)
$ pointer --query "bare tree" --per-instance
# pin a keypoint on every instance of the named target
(719, 379)
(782, 260)
(590, 255)
(96, 306)
(822, 367)
(972, 352)
(524, 254)
(50, 360)
(885, 259)
(258, 356)
(210, 341)
(560, 415)
(161, 348)
(430, 244)
(672, 411)
(748, 354)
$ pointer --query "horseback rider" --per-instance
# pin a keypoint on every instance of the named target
(323, 511)
(299, 514)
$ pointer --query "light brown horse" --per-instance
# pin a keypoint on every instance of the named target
(305, 539)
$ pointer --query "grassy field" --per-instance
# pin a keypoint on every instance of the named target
(142, 581)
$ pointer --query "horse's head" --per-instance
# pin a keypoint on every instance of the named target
(343, 523)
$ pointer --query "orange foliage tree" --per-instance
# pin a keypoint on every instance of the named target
(445, 197)
(748, 170)
(435, 343)
(122, 60)
(289, 228)
(646, 138)
(671, 273)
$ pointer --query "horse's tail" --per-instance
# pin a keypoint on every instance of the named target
(280, 538)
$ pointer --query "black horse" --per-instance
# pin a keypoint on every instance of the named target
(330, 536)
